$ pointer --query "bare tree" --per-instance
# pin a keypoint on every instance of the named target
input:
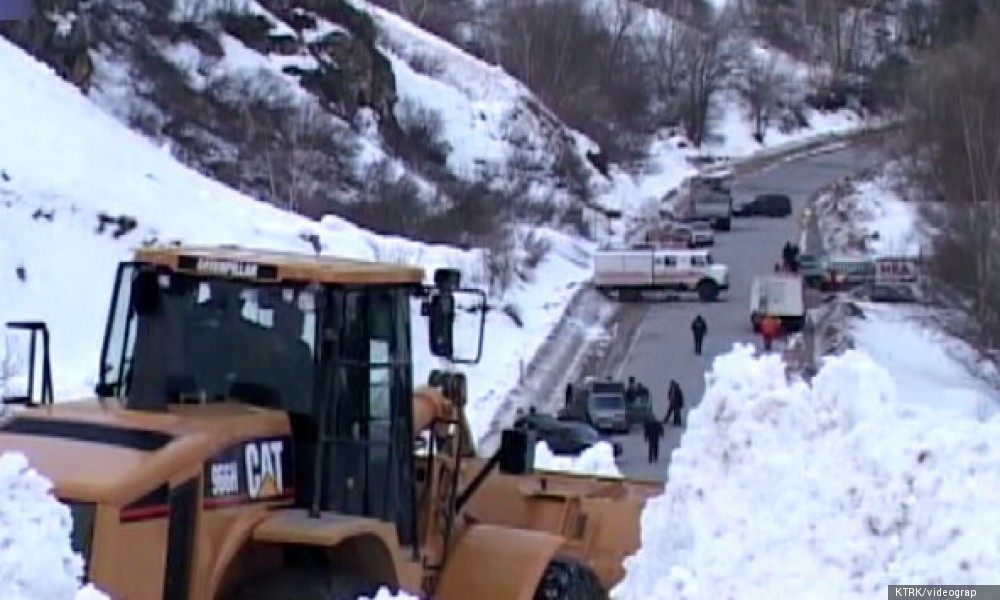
(665, 56)
(624, 18)
(581, 62)
(706, 65)
(763, 86)
(955, 136)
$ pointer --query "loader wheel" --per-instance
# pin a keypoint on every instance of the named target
(708, 291)
(569, 579)
(306, 584)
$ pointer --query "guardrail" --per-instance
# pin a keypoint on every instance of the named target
(792, 150)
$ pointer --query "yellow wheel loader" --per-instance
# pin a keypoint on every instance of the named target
(257, 435)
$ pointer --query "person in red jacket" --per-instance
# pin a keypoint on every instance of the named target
(770, 328)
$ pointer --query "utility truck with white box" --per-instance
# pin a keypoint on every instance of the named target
(705, 197)
(779, 295)
(628, 273)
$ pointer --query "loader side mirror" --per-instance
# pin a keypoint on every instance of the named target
(146, 293)
(447, 304)
(441, 324)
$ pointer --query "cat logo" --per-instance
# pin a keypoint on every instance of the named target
(263, 465)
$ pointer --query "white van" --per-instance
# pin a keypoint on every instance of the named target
(780, 295)
(627, 273)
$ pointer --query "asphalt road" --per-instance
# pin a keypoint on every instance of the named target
(663, 347)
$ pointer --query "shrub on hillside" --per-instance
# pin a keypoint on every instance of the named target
(420, 139)
(290, 152)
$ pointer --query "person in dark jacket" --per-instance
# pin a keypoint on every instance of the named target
(630, 391)
(569, 395)
(654, 433)
(675, 402)
(787, 254)
(699, 328)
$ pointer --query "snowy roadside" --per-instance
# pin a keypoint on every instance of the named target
(870, 216)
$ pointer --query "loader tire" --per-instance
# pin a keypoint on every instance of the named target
(569, 579)
(306, 584)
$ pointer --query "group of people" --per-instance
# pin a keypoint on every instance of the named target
(654, 429)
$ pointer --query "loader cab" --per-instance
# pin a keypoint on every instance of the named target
(326, 341)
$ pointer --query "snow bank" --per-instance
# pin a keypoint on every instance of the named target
(36, 557)
(932, 371)
(599, 459)
(781, 489)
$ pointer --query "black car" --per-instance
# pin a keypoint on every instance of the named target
(565, 437)
(765, 205)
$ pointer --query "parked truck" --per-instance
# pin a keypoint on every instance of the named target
(627, 274)
(601, 404)
(780, 295)
(705, 197)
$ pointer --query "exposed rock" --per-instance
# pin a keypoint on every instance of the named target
(59, 34)
(352, 74)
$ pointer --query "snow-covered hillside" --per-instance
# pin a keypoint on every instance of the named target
(832, 489)
(65, 165)
(455, 112)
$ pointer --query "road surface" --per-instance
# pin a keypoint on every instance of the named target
(663, 347)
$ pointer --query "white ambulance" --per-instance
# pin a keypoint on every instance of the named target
(627, 273)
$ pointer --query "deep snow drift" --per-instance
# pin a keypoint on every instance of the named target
(831, 490)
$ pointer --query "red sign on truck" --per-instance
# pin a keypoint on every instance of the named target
(896, 269)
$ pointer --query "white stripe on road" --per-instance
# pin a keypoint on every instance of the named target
(631, 348)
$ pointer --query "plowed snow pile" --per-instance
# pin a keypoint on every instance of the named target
(598, 459)
(36, 558)
(834, 490)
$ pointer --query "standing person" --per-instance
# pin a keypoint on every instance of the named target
(675, 402)
(630, 391)
(699, 328)
(569, 394)
(654, 432)
(786, 256)
(770, 327)
(796, 253)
